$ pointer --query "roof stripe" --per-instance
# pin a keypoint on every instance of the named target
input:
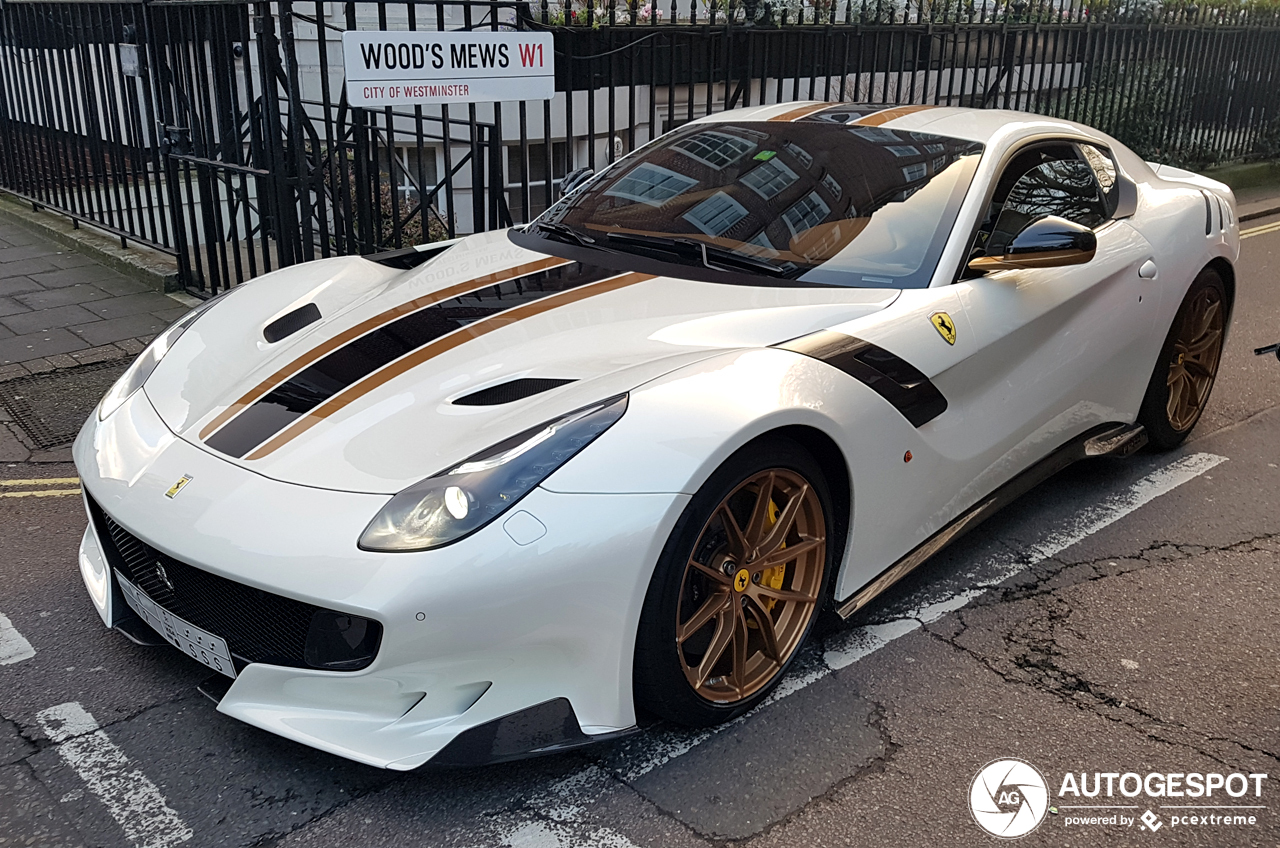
(435, 348)
(370, 324)
(800, 112)
(879, 118)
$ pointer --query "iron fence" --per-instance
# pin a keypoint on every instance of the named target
(220, 132)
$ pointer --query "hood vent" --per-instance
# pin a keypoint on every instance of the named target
(288, 324)
(509, 392)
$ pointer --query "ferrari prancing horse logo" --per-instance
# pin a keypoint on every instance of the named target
(741, 579)
(944, 325)
(177, 487)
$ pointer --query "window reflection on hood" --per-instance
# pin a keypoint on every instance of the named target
(811, 201)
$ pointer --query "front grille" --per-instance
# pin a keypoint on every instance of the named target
(258, 626)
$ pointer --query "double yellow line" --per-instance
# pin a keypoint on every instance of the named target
(1258, 231)
(39, 488)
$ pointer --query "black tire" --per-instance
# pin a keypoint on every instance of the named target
(664, 665)
(1188, 364)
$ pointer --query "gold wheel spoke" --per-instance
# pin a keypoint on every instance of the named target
(786, 520)
(760, 513)
(740, 637)
(726, 624)
(713, 606)
(738, 546)
(715, 574)
(765, 627)
(1203, 343)
(785, 555)
(782, 594)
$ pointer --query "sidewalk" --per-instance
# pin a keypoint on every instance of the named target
(60, 309)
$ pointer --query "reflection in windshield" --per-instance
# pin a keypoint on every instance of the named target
(825, 203)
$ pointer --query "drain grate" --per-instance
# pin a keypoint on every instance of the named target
(51, 408)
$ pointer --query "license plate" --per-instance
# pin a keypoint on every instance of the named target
(198, 644)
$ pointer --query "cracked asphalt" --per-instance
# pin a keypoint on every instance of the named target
(1144, 641)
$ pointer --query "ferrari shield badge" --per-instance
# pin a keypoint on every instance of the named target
(178, 486)
(944, 325)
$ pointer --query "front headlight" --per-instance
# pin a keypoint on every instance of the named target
(452, 504)
(140, 369)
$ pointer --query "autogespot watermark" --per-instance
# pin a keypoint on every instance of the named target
(1010, 798)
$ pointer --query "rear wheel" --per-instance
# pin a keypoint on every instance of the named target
(1188, 364)
(737, 589)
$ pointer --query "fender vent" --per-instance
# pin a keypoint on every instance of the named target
(289, 323)
(509, 392)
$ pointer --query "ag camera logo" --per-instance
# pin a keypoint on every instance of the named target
(1008, 798)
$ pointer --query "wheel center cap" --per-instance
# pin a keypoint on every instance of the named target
(742, 580)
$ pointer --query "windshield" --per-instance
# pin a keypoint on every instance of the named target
(810, 202)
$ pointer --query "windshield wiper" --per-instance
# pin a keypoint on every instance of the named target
(565, 234)
(699, 251)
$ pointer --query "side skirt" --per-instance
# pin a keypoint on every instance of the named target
(1116, 440)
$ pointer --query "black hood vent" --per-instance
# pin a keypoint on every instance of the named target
(291, 322)
(509, 391)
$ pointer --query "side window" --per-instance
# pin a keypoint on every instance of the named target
(1104, 168)
(1066, 188)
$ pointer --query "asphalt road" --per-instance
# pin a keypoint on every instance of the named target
(1122, 618)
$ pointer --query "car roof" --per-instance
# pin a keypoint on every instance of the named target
(988, 126)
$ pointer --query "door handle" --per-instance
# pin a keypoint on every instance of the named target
(1147, 271)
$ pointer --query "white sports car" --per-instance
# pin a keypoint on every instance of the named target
(502, 496)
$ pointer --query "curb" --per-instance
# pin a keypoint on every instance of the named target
(1259, 213)
(157, 269)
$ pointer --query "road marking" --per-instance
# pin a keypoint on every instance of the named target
(1257, 231)
(41, 493)
(42, 481)
(131, 799)
(14, 647)
(558, 816)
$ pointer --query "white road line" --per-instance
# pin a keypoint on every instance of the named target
(557, 817)
(131, 799)
(14, 647)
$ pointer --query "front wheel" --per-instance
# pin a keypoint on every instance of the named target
(737, 588)
(1188, 364)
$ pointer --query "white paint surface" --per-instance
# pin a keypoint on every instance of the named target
(132, 800)
(14, 647)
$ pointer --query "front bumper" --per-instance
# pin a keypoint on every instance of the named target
(472, 633)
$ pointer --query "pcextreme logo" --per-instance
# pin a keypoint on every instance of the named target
(1009, 798)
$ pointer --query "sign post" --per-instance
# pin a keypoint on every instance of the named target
(421, 68)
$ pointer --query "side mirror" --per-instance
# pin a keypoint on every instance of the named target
(574, 180)
(1049, 242)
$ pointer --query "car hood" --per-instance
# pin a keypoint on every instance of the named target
(404, 424)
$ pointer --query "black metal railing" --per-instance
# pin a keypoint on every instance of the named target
(219, 132)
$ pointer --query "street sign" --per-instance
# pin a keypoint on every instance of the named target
(417, 68)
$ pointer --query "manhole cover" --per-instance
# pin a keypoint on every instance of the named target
(51, 408)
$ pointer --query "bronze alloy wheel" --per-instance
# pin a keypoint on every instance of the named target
(1193, 363)
(751, 585)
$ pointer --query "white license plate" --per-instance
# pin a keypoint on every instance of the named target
(200, 645)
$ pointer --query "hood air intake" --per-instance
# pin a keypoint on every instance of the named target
(509, 392)
(289, 323)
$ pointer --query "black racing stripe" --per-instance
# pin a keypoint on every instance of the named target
(888, 375)
(361, 357)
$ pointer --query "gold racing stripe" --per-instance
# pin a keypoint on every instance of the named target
(884, 116)
(444, 344)
(801, 112)
(370, 324)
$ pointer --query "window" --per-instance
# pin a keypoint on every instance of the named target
(918, 171)
(410, 174)
(651, 184)
(830, 184)
(1104, 169)
(901, 150)
(799, 153)
(1065, 188)
(715, 215)
(759, 245)
(938, 164)
(716, 149)
(537, 171)
(806, 213)
(932, 149)
(769, 178)
(876, 134)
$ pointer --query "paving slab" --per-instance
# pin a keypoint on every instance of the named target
(132, 304)
(24, 267)
(50, 298)
(52, 277)
(119, 329)
(18, 285)
(39, 320)
(35, 345)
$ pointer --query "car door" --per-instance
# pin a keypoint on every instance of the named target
(1054, 350)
